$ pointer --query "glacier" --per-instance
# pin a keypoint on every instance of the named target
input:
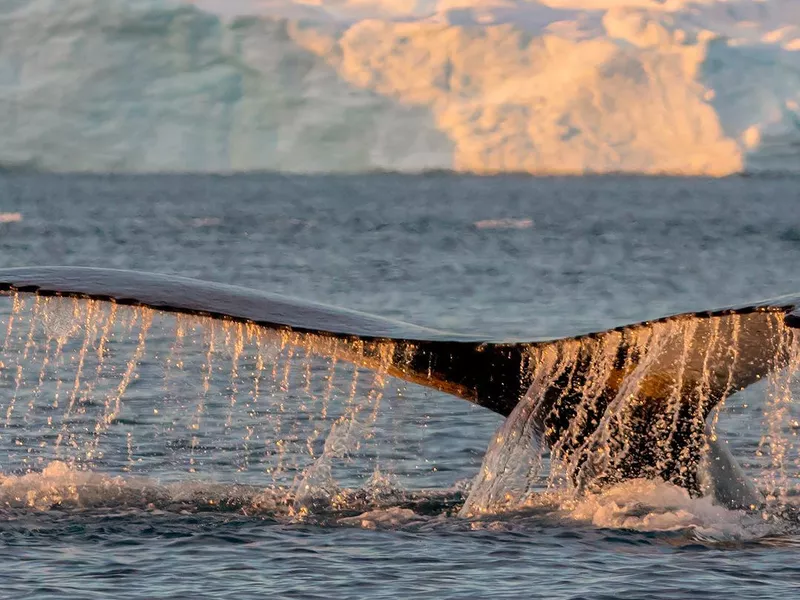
(702, 87)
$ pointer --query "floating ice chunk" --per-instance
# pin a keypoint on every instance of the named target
(504, 224)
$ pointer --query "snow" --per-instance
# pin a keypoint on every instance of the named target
(701, 87)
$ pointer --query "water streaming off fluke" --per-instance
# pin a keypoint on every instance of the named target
(110, 389)
(299, 408)
(643, 403)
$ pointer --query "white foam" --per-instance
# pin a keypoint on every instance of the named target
(389, 518)
(60, 485)
(655, 506)
(644, 506)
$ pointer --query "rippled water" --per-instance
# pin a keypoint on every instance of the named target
(168, 510)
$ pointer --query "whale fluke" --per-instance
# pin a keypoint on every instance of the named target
(628, 402)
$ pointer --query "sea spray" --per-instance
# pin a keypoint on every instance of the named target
(514, 457)
(634, 404)
(130, 390)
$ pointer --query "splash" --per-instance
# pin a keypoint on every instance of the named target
(656, 506)
(514, 458)
(127, 402)
(637, 404)
(61, 487)
(99, 388)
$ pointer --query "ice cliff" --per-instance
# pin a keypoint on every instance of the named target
(556, 86)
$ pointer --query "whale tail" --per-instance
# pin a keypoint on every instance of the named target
(625, 403)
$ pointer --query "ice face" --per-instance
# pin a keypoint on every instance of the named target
(558, 86)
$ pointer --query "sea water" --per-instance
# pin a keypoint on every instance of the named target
(148, 455)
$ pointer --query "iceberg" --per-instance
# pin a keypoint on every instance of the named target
(707, 87)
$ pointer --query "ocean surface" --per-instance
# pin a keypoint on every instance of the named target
(154, 457)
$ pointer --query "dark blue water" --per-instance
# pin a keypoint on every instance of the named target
(511, 257)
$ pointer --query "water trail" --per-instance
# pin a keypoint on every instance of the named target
(317, 485)
(208, 372)
(18, 379)
(130, 369)
(89, 334)
(603, 452)
(254, 407)
(17, 302)
(589, 405)
(234, 342)
(514, 457)
(40, 382)
(251, 404)
(102, 351)
(779, 439)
